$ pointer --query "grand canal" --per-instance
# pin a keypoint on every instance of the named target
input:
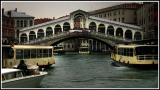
(95, 71)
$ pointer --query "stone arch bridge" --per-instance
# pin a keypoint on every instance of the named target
(80, 20)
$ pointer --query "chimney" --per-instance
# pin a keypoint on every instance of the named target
(15, 10)
(2, 11)
(9, 13)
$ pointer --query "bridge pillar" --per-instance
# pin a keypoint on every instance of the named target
(124, 34)
(100, 46)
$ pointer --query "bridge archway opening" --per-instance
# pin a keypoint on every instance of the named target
(40, 33)
(110, 30)
(137, 36)
(101, 28)
(119, 32)
(66, 26)
(79, 21)
(79, 37)
(128, 34)
(23, 37)
(32, 35)
(49, 32)
(57, 29)
(92, 26)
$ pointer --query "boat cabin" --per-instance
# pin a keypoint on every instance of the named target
(8, 73)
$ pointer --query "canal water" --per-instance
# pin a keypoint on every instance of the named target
(96, 71)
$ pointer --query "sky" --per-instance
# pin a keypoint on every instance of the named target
(55, 9)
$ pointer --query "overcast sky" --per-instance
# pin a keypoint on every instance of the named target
(55, 9)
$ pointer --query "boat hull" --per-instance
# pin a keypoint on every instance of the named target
(137, 66)
(32, 81)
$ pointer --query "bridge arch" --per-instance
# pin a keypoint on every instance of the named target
(101, 28)
(32, 35)
(23, 37)
(49, 31)
(66, 26)
(109, 41)
(110, 30)
(119, 32)
(128, 34)
(57, 29)
(137, 36)
(79, 21)
(92, 27)
(40, 33)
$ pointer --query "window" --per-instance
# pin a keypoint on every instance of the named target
(105, 15)
(25, 23)
(30, 22)
(26, 54)
(122, 12)
(21, 23)
(115, 13)
(18, 25)
(33, 53)
(125, 51)
(39, 53)
(114, 19)
(19, 54)
(123, 19)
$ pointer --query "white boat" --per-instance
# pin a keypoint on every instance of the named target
(84, 50)
(14, 78)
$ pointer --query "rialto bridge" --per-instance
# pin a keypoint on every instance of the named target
(82, 21)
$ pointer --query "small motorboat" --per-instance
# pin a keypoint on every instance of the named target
(14, 78)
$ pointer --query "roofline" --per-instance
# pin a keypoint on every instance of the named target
(45, 23)
(117, 23)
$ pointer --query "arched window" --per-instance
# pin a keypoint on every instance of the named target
(128, 34)
(79, 21)
(40, 33)
(137, 36)
(110, 30)
(119, 32)
(92, 26)
(23, 38)
(101, 28)
(49, 31)
(32, 35)
(57, 29)
(66, 26)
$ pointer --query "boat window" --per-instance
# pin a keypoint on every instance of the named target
(50, 52)
(10, 75)
(83, 49)
(39, 53)
(147, 50)
(19, 54)
(45, 52)
(125, 51)
(3, 77)
(26, 54)
(19, 74)
(33, 53)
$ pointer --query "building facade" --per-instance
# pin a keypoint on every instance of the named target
(21, 20)
(121, 13)
(8, 31)
(147, 18)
